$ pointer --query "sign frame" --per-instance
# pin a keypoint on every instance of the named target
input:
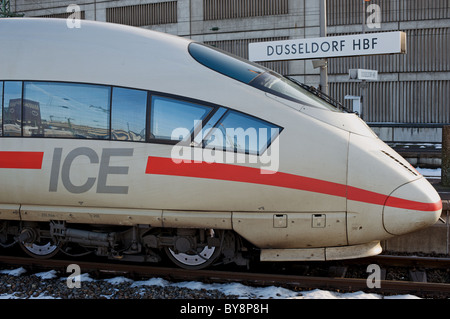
(329, 47)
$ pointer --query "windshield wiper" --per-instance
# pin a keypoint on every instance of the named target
(338, 105)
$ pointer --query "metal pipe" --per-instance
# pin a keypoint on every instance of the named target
(445, 169)
(323, 33)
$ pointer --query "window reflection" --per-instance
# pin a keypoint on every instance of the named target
(69, 110)
(174, 119)
(254, 75)
(285, 88)
(209, 126)
(12, 101)
(241, 133)
(129, 108)
(225, 63)
(66, 110)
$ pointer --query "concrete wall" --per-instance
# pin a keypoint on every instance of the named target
(403, 134)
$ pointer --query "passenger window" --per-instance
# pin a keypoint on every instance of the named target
(66, 110)
(129, 109)
(1, 108)
(12, 101)
(174, 119)
(241, 133)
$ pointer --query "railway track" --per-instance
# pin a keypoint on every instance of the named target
(289, 280)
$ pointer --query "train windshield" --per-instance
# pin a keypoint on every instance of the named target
(256, 75)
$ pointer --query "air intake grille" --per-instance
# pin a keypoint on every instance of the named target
(410, 169)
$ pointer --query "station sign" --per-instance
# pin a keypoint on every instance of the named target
(363, 75)
(329, 47)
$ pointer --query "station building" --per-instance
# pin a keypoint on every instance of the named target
(410, 101)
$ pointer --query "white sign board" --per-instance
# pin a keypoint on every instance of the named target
(329, 47)
(362, 74)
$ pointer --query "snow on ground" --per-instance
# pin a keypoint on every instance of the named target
(231, 289)
(272, 292)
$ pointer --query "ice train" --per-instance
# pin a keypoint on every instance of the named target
(134, 145)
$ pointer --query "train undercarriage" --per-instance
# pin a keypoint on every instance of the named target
(187, 248)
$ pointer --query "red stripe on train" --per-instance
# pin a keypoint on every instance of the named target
(235, 173)
(21, 160)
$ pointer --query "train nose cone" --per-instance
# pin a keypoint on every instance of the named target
(411, 207)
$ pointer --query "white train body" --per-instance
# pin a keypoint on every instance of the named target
(324, 188)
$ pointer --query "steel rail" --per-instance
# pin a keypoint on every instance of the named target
(294, 282)
(405, 261)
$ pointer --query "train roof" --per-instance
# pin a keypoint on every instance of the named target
(97, 52)
(39, 49)
(42, 49)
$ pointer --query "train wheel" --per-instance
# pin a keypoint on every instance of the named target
(194, 260)
(39, 247)
(41, 251)
(188, 257)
